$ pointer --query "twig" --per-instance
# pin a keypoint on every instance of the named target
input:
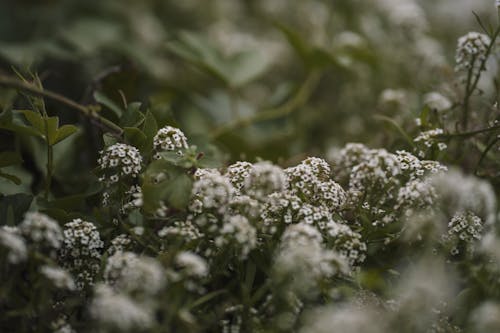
(87, 111)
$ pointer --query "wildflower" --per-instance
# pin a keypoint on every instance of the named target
(347, 243)
(169, 138)
(436, 101)
(59, 277)
(119, 161)
(264, 178)
(130, 273)
(211, 191)
(471, 52)
(237, 231)
(118, 311)
(14, 244)
(237, 173)
(193, 265)
(41, 230)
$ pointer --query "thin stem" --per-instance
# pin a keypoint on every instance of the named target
(467, 134)
(298, 100)
(471, 88)
(29, 88)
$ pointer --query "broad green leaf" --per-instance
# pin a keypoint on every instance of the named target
(64, 131)
(168, 183)
(107, 102)
(132, 117)
(35, 119)
(135, 137)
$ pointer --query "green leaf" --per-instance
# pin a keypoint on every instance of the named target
(9, 158)
(35, 119)
(65, 131)
(135, 137)
(149, 128)
(13, 207)
(51, 130)
(132, 117)
(107, 102)
(168, 183)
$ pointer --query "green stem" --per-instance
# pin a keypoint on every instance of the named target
(469, 133)
(471, 88)
(298, 100)
(87, 111)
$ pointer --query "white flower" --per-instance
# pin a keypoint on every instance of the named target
(119, 311)
(15, 245)
(119, 161)
(436, 101)
(131, 273)
(471, 51)
(264, 178)
(192, 264)
(59, 277)
(41, 229)
(169, 138)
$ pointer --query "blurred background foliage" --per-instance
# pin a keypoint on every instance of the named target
(271, 79)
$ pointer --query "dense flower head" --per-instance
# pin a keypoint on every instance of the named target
(310, 180)
(81, 251)
(118, 162)
(264, 178)
(42, 230)
(191, 264)
(58, 277)
(118, 311)
(169, 138)
(120, 243)
(238, 232)
(464, 228)
(185, 231)
(302, 255)
(237, 173)
(436, 101)
(211, 191)
(347, 243)
(14, 243)
(129, 272)
(471, 51)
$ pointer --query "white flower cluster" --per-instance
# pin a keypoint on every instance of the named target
(41, 230)
(237, 229)
(347, 243)
(436, 101)
(14, 243)
(303, 256)
(128, 272)
(59, 277)
(428, 138)
(211, 191)
(471, 51)
(237, 173)
(378, 180)
(191, 264)
(169, 138)
(464, 227)
(118, 311)
(81, 251)
(311, 180)
(119, 244)
(263, 179)
(118, 162)
(184, 231)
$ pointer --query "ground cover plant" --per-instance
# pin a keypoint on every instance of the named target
(249, 166)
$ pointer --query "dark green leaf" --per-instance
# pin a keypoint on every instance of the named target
(107, 102)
